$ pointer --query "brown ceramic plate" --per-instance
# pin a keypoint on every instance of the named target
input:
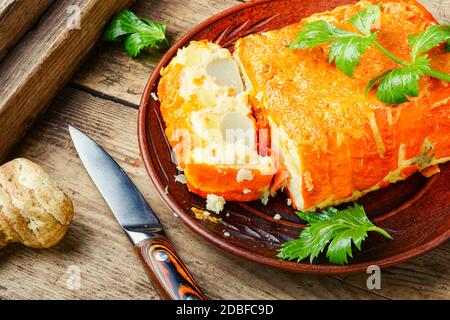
(416, 211)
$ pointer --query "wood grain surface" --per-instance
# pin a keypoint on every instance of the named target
(17, 17)
(41, 64)
(100, 100)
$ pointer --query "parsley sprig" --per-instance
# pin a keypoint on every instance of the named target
(138, 33)
(334, 228)
(346, 48)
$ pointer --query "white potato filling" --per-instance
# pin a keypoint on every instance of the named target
(215, 203)
(225, 132)
(181, 178)
(244, 175)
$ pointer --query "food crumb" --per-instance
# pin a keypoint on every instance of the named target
(215, 203)
(205, 215)
(265, 197)
(246, 191)
(154, 96)
(429, 171)
(243, 175)
(181, 178)
(226, 234)
(277, 217)
(289, 201)
(166, 190)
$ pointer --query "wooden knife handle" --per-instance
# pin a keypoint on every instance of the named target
(166, 270)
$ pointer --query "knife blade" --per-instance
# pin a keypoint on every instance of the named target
(164, 268)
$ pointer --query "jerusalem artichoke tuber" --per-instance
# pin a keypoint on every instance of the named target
(33, 209)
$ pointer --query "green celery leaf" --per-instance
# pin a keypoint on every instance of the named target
(340, 246)
(135, 42)
(324, 215)
(346, 52)
(337, 229)
(428, 39)
(161, 26)
(139, 33)
(126, 22)
(357, 224)
(375, 80)
(401, 83)
(364, 19)
(316, 33)
(313, 240)
(346, 46)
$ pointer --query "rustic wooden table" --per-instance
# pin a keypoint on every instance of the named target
(102, 99)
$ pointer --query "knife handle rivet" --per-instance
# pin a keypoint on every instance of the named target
(161, 256)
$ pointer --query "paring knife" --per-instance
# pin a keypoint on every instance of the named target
(164, 268)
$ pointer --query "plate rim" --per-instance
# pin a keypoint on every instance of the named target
(191, 223)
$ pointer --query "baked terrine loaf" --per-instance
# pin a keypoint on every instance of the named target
(305, 127)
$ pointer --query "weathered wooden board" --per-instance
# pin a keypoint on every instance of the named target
(44, 61)
(16, 18)
(97, 245)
